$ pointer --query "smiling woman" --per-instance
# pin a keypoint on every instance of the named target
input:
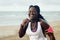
(35, 26)
(12, 12)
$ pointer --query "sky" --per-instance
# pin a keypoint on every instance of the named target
(23, 5)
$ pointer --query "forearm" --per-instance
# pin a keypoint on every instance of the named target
(51, 36)
(23, 28)
(22, 31)
(49, 31)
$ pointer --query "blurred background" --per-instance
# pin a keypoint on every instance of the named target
(12, 13)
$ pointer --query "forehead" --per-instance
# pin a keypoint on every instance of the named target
(32, 8)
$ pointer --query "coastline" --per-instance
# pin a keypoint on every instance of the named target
(12, 31)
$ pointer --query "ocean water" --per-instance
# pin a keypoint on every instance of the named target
(16, 17)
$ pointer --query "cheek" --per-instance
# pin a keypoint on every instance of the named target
(36, 15)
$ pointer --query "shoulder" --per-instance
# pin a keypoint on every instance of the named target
(42, 21)
(44, 24)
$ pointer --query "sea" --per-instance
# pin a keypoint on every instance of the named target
(16, 17)
(8, 18)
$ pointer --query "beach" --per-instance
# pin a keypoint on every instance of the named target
(13, 12)
(11, 32)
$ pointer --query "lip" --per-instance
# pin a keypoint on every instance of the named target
(31, 16)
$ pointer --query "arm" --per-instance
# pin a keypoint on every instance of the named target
(23, 28)
(47, 27)
(51, 36)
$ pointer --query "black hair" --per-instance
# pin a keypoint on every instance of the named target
(38, 11)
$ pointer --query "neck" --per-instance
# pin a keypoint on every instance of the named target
(34, 20)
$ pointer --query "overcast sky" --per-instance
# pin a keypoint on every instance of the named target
(22, 5)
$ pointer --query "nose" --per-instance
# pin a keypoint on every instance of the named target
(32, 13)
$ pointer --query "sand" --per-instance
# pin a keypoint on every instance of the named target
(11, 32)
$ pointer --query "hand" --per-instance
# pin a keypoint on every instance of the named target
(25, 22)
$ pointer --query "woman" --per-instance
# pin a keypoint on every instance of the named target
(35, 26)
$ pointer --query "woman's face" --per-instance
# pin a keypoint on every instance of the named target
(32, 13)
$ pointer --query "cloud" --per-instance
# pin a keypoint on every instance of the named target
(6, 2)
(28, 2)
(18, 5)
(13, 8)
(51, 2)
(18, 2)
